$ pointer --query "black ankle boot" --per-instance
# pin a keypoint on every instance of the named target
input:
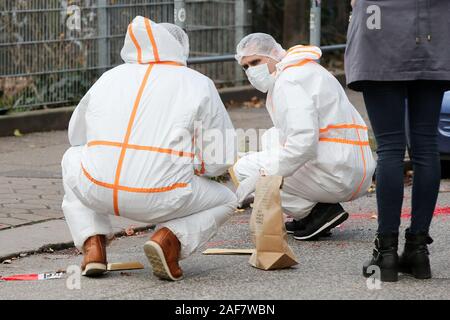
(385, 257)
(415, 260)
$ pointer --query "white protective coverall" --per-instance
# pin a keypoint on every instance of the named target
(319, 142)
(127, 157)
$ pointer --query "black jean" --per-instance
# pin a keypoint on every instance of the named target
(386, 105)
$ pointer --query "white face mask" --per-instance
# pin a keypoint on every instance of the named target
(260, 77)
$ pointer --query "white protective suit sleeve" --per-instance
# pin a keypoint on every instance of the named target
(77, 125)
(216, 143)
(298, 117)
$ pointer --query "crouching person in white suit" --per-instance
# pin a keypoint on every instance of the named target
(319, 142)
(136, 153)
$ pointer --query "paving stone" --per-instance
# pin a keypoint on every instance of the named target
(25, 206)
(9, 201)
(51, 197)
(20, 187)
(31, 217)
(50, 213)
(13, 221)
(12, 211)
(43, 201)
(20, 196)
(38, 191)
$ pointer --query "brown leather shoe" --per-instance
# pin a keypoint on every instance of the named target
(94, 262)
(163, 253)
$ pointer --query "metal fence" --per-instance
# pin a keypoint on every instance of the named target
(51, 51)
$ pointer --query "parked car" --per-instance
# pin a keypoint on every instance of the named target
(443, 137)
(444, 128)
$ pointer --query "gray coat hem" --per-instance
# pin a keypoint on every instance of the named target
(399, 76)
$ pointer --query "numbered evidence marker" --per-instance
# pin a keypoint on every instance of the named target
(116, 266)
(33, 276)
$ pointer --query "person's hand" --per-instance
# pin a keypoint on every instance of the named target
(246, 187)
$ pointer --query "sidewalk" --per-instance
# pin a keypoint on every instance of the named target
(31, 219)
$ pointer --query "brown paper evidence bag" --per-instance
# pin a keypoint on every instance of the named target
(267, 228)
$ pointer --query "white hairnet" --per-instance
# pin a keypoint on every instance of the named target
(179, 35)
(261, 44)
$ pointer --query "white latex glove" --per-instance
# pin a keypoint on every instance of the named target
(246, 187)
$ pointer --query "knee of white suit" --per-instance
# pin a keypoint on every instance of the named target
(195, 230)
(83, 222)
(230, 206)
(222, 213)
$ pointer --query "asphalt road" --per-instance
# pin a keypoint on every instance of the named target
(327, 269)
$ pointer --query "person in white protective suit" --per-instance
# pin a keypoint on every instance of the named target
(136, 153)
(319, 142)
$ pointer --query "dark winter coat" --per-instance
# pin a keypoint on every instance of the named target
(411, 41)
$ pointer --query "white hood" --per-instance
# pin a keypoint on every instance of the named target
(298, 54)
(146, 42)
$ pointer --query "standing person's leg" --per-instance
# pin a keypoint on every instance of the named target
(87, 227)
(424, 105)
(385, 104)
(386, 107)
(199, 219)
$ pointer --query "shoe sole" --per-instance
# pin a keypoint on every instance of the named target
(422, 274)
(94, 269)
(329, 225)
(247, 203)
(156, 258)
(326, 233)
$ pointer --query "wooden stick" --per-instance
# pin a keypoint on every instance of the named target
(233, 177)
(228, 251)
(119, 266)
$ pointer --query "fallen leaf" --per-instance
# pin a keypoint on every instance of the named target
(23, 255)
(231, 104)
(8, 261)
(129, 231)
(254, 102)
(374, 216)
(17, 133)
